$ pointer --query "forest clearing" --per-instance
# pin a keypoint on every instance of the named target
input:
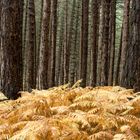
(72, 113)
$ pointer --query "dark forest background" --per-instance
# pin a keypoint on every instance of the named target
(46, 43)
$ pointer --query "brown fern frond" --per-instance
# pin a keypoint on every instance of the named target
(84, 105)
(80, 119)
(95, 110)
(120, 137)
(101, 135)
(60, 110)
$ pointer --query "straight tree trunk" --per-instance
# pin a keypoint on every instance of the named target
(137, 60)
(112, 41)
(11, 48)
(42, 81)
(74, 56)
(59, 54)
(100, 44)
(53, 38)
(84, 41)
(118, 61)
(104, 71)
(0, 22)
(71, 38)
(66, 48)
(24, 42)
(30, 50)
(125, 36)
(95, 13)
(132, 67)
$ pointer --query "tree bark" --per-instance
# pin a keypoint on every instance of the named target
(11, 48)
(84, 41)
(53, 38)
(42, 80)
(66, 47)
(125, 36)
(112, 41)
(95, 40)
(30, 50)
(104, 65)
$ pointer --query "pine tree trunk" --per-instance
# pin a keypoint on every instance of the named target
(84, 41)
(66, 47)
(112, 41)
(137, 60)
(100, 44)
(125, 36)
(95, 40)
(132, 67)
(118, 61)
(42, 81)
(24, 43)
(39, 39)
(74, 56)
(11, 48)
(104, 66)
(59, 53)
(53, 38)
(30, 50)
(0, 23)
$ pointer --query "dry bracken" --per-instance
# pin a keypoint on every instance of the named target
(72, 113)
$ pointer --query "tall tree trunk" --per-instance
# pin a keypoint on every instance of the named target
(53, 38)
(104, 72)
(30, 50)
(66, 48)
(100, 44)
(95, 40)
(11, 48)
(70, 38)
(84, 41)
(118, 61)
(24, 42)
(125, 36)
(42, 81)
(112, 41)
(132, 67)
(39, 39)
(74, 56)
(59, 54)
(0, 23)
(137, 60)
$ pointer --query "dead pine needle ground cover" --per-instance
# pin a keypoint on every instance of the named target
(72, 113)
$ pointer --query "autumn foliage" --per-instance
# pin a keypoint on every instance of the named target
(72, 113)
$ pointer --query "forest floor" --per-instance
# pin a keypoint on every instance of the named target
(72, 113)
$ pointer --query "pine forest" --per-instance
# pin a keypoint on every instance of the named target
(69, 69)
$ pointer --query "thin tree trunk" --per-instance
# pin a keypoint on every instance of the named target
(66, 48)
(74, 56)
(95, 13)
(30, 50)
(84, 41)
(125, 36)
(59, 53)
(42, 81)
(100, 44)
(112, 41)
(118, 60)
(104, 72)
(53, 38)
(24, 43)
(39, 39)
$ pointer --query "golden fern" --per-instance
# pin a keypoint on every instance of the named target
(101, 136)
(66, 112)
